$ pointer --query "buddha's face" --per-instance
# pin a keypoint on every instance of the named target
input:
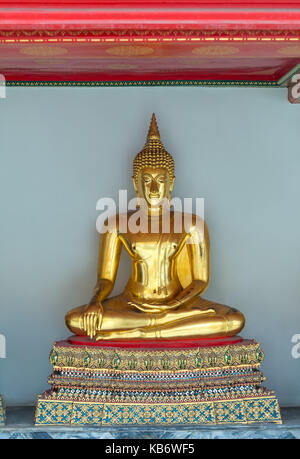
(154, 185)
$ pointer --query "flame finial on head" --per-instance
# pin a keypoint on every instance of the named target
(153, 132)
(154, 153)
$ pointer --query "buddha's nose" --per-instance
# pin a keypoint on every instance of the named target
(154, 187)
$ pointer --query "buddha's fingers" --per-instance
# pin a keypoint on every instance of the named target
(92, 326)
(99, 320)
(95, 320)
(89, 325)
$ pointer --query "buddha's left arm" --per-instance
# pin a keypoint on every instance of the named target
(197, 244)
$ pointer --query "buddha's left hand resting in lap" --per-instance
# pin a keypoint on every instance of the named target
(170, 269)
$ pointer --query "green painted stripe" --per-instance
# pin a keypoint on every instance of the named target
(286, 78)
(222, 83)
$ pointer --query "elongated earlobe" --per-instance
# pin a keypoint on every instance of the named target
(171, 189)
(134, 184)
(138, 204)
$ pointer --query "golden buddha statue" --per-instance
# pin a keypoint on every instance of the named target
(170, 270)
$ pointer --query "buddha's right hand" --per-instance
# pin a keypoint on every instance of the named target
(92, 318)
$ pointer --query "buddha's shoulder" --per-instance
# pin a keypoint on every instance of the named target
(189, 220)
(116, 222)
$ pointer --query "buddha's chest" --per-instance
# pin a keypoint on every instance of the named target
(153, 248)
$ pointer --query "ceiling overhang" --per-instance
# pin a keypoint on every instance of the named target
(168, 43)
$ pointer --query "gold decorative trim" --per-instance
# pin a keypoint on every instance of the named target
(72, 356)
(241, 411)
(43, 50)
(154, 380)
(115, 371)
(129, 35)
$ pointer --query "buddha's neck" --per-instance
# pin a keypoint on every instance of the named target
(157, 211)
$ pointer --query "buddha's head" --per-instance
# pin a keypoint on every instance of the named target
(153, 170)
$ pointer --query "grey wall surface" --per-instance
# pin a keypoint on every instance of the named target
(64, 148)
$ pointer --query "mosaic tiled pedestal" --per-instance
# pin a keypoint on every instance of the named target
(197, 384)
(2, 412)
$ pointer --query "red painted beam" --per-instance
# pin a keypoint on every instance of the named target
(226, 75)
(186, 4)
(139, 19)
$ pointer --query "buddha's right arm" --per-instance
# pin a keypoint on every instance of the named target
(102, 289)
(108, 261)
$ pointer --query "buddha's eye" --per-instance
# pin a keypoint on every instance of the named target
(162, 179)
(146, 179)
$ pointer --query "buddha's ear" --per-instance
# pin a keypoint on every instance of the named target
(134, 184)
(172, 181)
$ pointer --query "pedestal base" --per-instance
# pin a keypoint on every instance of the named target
(113, 385)
(2, 411)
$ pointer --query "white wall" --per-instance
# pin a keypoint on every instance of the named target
(64, 148)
